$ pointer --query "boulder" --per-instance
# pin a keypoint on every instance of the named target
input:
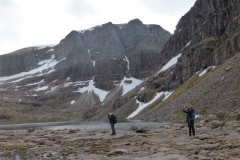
(31, 152)
(118, 151)
(220, 114)
(216, 124)
(167, 126)
(31, 129)
(211, 146)
(238, 116)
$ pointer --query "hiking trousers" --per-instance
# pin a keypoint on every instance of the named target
(113, 129)
(191, 127)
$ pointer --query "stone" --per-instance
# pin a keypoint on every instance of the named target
(211, 146)
(228, 68)
(31, 153)
(203, 136)
(220, 114)
(216, 124)
(167, 126)
(237, 115)
(71, 131)
(118, 151)
(31, 129)
(136, 138)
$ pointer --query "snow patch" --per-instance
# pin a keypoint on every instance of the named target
(52, 89)
(44, 46)
(75, 83)
(42, 88)
(128, 87)
(72, 102)
(188, 44)
(101, 93)
(44, 65)
(205, 71)
(89, 29)
(126, 59)
(94, 63)
(144, 105)
(170, 63)
(31, 84)
(141, 89)
(51, 50)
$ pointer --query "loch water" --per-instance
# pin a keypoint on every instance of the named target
(88, 125)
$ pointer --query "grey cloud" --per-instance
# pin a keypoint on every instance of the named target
(79, 8)
(169, 7)
(5, 3)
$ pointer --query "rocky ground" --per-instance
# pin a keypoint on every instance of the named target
(214, 140)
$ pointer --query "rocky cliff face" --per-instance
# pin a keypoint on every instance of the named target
(208, 35)
(22, 60)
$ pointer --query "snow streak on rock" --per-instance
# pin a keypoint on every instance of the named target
(144, 105)
(43, 65)
(129, 86)
(172, 62)
(101, 93)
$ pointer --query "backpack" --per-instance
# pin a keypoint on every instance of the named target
(192, 113)
(115, 119)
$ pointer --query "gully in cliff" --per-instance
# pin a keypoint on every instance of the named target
(112, 120)
(190, 118)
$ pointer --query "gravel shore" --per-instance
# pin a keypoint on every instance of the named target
(215, 140)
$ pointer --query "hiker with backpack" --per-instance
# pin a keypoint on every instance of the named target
(190, 119)
(112, 120)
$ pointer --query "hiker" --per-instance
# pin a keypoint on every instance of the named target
(112, 121)
(190, 119)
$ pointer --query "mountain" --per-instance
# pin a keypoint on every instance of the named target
(134, 70)
(206, 75)
(80, 71)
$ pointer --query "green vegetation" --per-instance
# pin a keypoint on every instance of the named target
(237, 86)
(205, 22)
(184, 87)
(204, 110)
(207, 43)
(216, 50)
(234, 20)
(234, 35)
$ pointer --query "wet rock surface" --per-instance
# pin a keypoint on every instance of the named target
(167, 143)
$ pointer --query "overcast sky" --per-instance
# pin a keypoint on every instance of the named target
(25, 23)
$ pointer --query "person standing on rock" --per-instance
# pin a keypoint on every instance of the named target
(190, 119)
(112, 120)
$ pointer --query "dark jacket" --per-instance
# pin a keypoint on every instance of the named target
(189, 114)
(112, 118)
